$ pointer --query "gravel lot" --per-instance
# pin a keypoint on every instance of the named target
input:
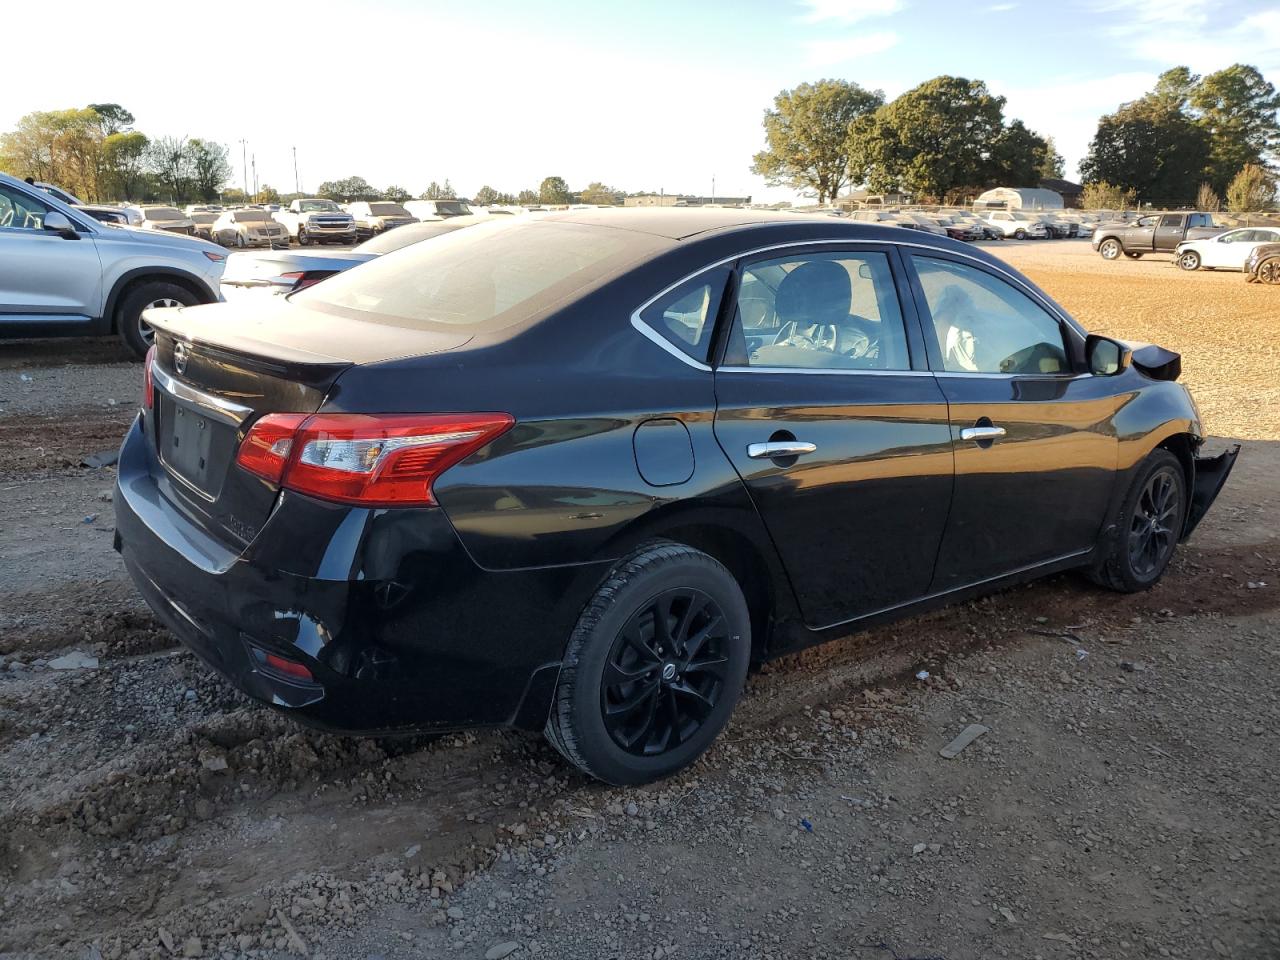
(1123, 802)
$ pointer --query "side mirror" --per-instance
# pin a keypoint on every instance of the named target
(59, 224)
(1106, 357)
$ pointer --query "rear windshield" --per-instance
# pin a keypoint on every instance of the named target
(495, 274)
(403, 236)
(454, 208)
(388, 210)
(163, 213)
(204, 217)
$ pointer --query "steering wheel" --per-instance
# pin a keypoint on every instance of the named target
(756, 312)
(856, 339)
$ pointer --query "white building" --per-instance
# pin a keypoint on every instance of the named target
(1019, 198)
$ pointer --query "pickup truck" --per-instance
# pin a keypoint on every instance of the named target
(315, 220)
(1158, 233)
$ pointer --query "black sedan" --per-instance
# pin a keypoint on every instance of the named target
(1263, 264)
(579, 473)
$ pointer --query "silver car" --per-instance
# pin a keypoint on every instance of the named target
(166, 218)
(62, 273)
(251, 227)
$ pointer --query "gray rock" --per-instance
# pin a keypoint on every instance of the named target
(454, 913)
(500, 950)
(75, 660)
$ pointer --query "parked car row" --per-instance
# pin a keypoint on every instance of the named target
(984, 224)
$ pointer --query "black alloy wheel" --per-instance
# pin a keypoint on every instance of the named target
(1147, 529)
(1152, 536)
(665, 672)
(654, 666)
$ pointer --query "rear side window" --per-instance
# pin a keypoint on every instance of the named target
(833, 311)
(985, 325)
(686, 316)
(492, 275)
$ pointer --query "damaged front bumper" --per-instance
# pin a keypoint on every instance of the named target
(1206, 483)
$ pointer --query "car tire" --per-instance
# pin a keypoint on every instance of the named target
(1019, 234)
(1189, 260)
(1148, 527)
(303, 239)
(1110, 249)
(137, 335)
(240, 241)
(624, 691)
(1269, 271)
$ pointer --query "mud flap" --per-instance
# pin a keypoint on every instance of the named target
(1210, 474)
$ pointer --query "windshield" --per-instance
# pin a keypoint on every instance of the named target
(388, 210)
(312, 206)
(204, 217)
(250, 216)
(163, 213)
(495, 274)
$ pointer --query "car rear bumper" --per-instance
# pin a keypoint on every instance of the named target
(1210, 475)
(398, 627)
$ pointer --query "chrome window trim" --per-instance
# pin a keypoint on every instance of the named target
(218, 408)
(650, 333)
(827, 371)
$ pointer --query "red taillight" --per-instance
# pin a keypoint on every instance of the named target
(303, 278)
(148, 382)
(367, 459)
(265, 450)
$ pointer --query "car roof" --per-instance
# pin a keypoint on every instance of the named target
(678, 223)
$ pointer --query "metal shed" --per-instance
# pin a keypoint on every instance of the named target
(1019, 198)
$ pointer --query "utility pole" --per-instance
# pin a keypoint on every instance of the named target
(713, 189)
(297, 184)
(244, 165)
(254, 161)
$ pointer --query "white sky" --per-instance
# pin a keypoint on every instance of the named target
(660, 95)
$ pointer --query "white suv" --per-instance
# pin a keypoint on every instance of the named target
(62, 273)
(1017, 225)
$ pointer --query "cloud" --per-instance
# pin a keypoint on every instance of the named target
(1001, 7)
(1194, 35)
(848, 11)
(830, 53)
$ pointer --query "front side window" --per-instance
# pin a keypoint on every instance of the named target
(686, 316)
(1171, 220)
(19, 211)
(836, 311)
(985, 325)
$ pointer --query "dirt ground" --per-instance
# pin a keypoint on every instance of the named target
(1123, 803)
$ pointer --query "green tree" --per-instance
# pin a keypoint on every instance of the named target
(1237, 108)
(1174, 88)
(169, 161)
(1020, 157)
(1100, 195)
(527, 197)
(944, 136)
(210, 168)
(1052, 166)
(396, 194)
(63, 147)
(1207, 198)
(439, 191)
(807, 145)
(598, 193)
(112, 118)
(267, 194)
(124, 157)
(1251, 190)
(234, 195)
(487, 195)
(554, 190)
(1149, 147)
(347, 189)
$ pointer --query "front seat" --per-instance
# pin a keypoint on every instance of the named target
(816, 297)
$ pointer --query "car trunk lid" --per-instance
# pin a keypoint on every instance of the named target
(219, 368)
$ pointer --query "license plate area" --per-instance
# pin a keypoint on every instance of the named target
(193, 447)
